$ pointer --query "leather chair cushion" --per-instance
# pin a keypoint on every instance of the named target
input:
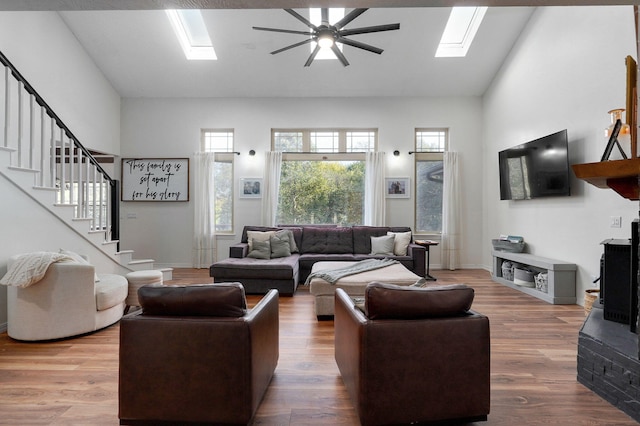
(389, 301)
(215, 300)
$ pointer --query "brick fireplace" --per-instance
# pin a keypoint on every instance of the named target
(608, 361)
(608, 346)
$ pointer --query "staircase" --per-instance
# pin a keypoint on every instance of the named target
(42, 158)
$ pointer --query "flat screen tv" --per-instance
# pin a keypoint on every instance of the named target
(539, 168)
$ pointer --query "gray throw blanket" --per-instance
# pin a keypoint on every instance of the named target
(333, 275)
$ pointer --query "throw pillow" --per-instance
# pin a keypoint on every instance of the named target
(280, 245)
(401, 242)
(258, 236)
(293, 248)
(382, 245)
(260, 249)
(79, 259)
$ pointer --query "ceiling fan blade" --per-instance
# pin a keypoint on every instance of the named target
(312, 56)
(301, 19)
(278, 30)
(373, 29)
(349, 17)
(339, 55)
(360, 45)
(307, 41)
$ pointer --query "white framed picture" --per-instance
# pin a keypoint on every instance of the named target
(250, 188)
(397, 187)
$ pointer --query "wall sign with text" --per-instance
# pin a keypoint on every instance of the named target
(155, 179)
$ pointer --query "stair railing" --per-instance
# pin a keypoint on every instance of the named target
(43, 144)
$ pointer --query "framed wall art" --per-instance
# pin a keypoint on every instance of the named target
(250, 188)
(397, 187)
(155, 179)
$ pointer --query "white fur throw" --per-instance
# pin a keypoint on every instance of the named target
(29, 268)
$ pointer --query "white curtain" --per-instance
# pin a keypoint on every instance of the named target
(272, 167)
(204, 227)
(374, 191)
(451, 232)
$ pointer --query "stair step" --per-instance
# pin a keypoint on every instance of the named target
(24, 178)
(141, 264)
(23, 169)
(124, 256)
(84, 219)
(167, 274)
(45, 188)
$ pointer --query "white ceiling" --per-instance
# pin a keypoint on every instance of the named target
(140, 55)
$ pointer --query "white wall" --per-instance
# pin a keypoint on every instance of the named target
(565, 72)
(171, 128)
(48, 55)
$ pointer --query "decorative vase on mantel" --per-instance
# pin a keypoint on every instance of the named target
(624, 136)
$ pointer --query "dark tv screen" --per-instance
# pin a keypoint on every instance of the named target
(539, 168)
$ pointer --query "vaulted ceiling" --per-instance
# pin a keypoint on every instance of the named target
(134, 45)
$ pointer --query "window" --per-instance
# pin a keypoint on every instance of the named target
(322, 176)
(430, 146)
(460, 31)
(324, 140)
(192, 34)
(221, 142)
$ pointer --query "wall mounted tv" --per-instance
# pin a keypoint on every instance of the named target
(539, 168)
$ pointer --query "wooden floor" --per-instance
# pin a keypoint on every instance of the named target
(533, 367)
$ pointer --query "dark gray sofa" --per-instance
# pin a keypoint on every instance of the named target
(315, 244)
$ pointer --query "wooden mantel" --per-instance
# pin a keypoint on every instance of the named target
(619, 175)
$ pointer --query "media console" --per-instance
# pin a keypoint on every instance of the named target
(561, 278)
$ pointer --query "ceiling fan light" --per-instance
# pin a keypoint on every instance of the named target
(325, 40)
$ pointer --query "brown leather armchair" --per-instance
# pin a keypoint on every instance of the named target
(194, 354)
(413, 355)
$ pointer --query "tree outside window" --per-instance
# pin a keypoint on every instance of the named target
(430, 146)
(322, 175)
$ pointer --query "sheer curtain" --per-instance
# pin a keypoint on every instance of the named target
(374, 195)
(204, 226)
(451, 232)
(272, 167)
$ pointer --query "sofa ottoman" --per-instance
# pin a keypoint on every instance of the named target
(258, 276)
(354, 285)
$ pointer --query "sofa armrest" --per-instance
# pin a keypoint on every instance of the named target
(350, 323)
(263, 323)
(418, 254)
(239, 250)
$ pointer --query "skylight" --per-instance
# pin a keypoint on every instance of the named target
(461, 28)
(192, 34)
(315, 17)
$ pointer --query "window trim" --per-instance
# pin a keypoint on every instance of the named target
(224, 157)
(312, 155)
(203, 132)
(426, 156)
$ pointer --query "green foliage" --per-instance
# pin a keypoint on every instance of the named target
(315, 192)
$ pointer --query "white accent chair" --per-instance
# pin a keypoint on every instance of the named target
(67, 302)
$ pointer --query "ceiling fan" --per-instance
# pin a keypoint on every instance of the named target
(327, 35)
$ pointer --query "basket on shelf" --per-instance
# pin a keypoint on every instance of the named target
(523, 277)
(507, 271)
(509, 246)
(542, 283)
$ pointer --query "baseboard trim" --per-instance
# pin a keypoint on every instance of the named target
(3, 327)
